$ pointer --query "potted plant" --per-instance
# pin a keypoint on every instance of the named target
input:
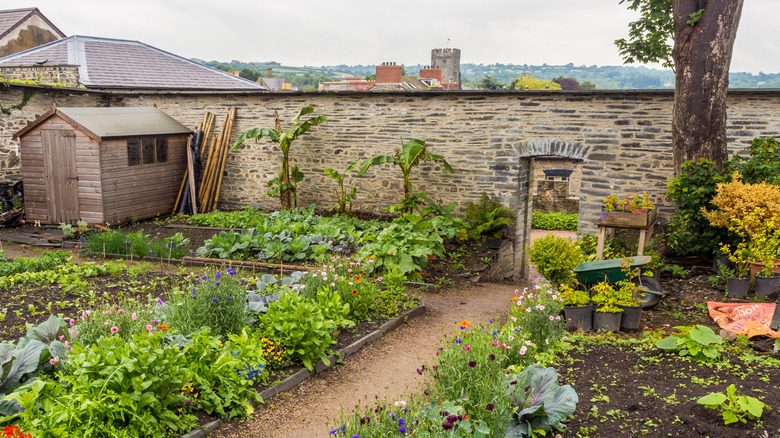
(607, 315)
(629, 211)
(764, 244)
(738, 280)
(627, 293)
(576, 308)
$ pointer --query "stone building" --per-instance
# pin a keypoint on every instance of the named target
(448, 60)
(22, 29)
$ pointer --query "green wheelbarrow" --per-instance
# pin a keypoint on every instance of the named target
(611, 271)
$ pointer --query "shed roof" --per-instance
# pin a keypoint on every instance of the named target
(105, 63)
(101, 123)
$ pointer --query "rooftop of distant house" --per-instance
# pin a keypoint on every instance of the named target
(11, 18)
(113, 64)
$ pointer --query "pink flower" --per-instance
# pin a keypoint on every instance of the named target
(88, 312)
(133, 316)
(67, 345)
(148, 327)
(333, 285)
(522, 351)
(121, 311)
(114, 329)
(62, 337)
(72, 322)
(467, 348)
(106, 323)
(552, 318)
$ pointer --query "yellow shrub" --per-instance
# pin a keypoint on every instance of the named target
(736, 201)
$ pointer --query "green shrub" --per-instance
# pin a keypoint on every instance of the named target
(215, 301)
(555, 258)
(46, 261)
(305, 326)
(124, 320)
(488, 217)
(554, 221)
(690, 233)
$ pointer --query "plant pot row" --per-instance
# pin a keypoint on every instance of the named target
(587, 318)
(764, 287)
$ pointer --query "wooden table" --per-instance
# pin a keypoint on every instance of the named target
(645, 232)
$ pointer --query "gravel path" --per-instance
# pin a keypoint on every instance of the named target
(386, 367)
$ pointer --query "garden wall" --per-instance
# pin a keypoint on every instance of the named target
(623, 138)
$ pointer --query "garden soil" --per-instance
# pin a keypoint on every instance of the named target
(386, 367)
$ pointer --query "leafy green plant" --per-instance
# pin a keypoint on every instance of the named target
(305, 327)
(734, 407)
(699, 342)
(300, 125)
(690, 233)
(228, 245)
(45, 261)
(555, 258)
(488, 217)
(342, 196)
(124, 319)
(542, 403)
(554, 221)
(216, 301)
(607, 297)
(409, 156)
(573, 297)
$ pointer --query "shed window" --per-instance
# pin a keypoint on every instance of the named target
(147, 150)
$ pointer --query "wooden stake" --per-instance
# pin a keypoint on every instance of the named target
(191, 170)
(224, 157)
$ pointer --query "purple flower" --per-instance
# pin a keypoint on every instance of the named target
(159, 300)
(401, 422)
(355, 436)
(216, 283)
(334, 431)
(472, 364)
(203, 277)
(452, 418)
(214, 299)
(490, 407)
(492, 356)
(193, 297)
(194, 290)
(458, 340)
(229, 298)
(446, 425)
(402, 429)
(419, 371)
(217, 275)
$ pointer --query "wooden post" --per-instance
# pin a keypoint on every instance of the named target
(191, 171)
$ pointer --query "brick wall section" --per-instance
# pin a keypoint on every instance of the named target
(625, 136)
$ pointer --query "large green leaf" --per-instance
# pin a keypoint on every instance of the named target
(705, 336)
(256, 133)
(670, 343)
(712, 399)
(377, 159)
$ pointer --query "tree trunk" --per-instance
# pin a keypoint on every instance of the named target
(702, 57)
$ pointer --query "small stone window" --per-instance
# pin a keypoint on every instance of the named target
(147, 150)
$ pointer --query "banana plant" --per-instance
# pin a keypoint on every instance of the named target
(410, 155)
(300, 125)
(343, 197)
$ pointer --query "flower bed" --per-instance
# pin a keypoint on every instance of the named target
(205, 345)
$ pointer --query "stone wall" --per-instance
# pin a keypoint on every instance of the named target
(547, 163)
(65, 75)
(623, 139)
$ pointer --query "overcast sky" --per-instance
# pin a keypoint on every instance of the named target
(307, 32)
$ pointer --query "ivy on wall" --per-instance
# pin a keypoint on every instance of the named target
(28, 94)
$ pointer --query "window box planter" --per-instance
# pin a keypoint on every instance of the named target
(638, 218)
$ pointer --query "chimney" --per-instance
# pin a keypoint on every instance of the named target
(269, 72)
(431, 73)
(388, 73)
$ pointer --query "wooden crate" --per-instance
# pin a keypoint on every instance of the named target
(630, 219)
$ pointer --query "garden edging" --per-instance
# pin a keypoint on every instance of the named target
(301, 375)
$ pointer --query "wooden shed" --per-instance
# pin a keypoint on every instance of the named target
(101, 164)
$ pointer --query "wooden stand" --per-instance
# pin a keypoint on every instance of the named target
(645, 233)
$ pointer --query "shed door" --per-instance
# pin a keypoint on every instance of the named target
(59, 160)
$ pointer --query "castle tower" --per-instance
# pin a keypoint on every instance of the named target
(448, 60)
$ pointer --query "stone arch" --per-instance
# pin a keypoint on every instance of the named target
(561, 148)
(527, 150)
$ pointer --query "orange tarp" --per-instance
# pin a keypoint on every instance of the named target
(751, 319)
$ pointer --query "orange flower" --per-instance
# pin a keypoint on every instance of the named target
(163, 327)
(358, 279)
(354, 291)
(465, 323)
(515, 298)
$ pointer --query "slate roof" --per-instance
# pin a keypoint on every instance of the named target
(11, 18)
(106, 63)
(274, 84)
(114, 122)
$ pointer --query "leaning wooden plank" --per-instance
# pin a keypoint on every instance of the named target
(191, 171)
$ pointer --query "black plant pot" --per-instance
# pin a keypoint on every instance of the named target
(767, 286)
(578, 318)
(738, 287)
(720, 261)
(606, 321)
(629, 321)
